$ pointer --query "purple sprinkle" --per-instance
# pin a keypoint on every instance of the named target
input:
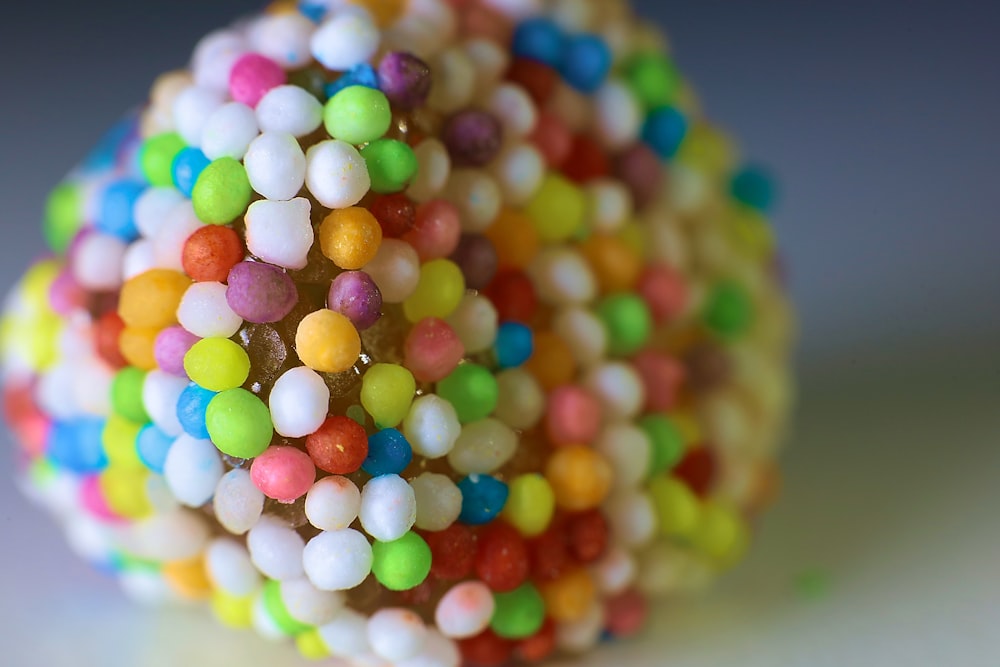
(405, 79)
(260, 292)
(477, 258)
(473, 137)
(355, 295)
(169, 349)
(641, 171)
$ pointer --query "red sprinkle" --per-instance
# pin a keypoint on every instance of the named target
(485, 650)
(502, 557)
(395, 213)
(662, 377)
(553, 139)
(549, 553)
(107, 330)
(698, 469)
(432, 350)
(664, 290)
(211, 252)
(588, 535)
(574, 416)
(435, 231)
(538, 646)
(453, 551)
(513, 295)
(586, 161)
(339, 446)
(626, 613)
(538, 79)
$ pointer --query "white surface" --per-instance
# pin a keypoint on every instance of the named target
(890, 489)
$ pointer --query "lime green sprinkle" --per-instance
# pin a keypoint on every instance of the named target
(126, 394)
(401, 564)
(558, 209)
(217, 364)
(813, 583)
(675, 505)
(276, 609)
(357, 115)
(222, 192)
(530, 504)
(386, 393)
(472, 390)
(391, 165)
(518, 613)
(653, 79)
(62, 217)
(118, 437)
(156, 158)
(728, 311)
(239, 423)
(628, 322)
(666, 440)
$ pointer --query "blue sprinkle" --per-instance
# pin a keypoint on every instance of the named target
(191, 408)
(117, 204)
(314, 11)
(586, 62)
(513, 345)
(77, 445)
(664, 130)
(539, 39)
(388, 453)
(359, 75)
(754, 186)
(187, 167)
(483, 498)
(152, 446)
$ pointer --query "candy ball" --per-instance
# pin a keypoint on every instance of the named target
(414, 332)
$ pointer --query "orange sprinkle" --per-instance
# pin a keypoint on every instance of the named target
(569, 597)
(579, 476)
(385, 12)
(515, 239)
(136, 345)
(616, 266)
(150, 299)
(350, 237)
(188, 578)
(552, 362)
(327, 342)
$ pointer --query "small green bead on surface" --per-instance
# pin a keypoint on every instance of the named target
(275, 607)
(666, 440)
(391, 165)
(728, 310)
(472, 390)
(558, 209)
(217, 364)
(386, 393)
(62, 216)
(530, 504)
(519, 613)
(222, 192)
(126, 394)
(628, 322)
(654, 79)
(401, 564)
(357, 115)
(239, 423)
(156, 158)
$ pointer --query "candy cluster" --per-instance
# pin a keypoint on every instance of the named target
(422, 332)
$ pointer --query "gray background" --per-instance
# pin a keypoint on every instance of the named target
(881, 121)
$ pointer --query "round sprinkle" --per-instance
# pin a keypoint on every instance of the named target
(628, 322)
(401, 564)
(211, 252)
(355, 295)
(239, 423)
(192, 407)
(327, 342)
(217, 364)
(345, 40)
(186, 168)
(431, 426)
(150, 299)
(298, 402)
(386, 393)
(205, 312)
(473, 138)
(156, 158)
(432, 350)
(501, 557)
(476, 256)
(483, 447)
(333, 503)
(192, 470)
(238, 503)
(222, 192)
(395, 270)
(472, 390)
(439, 290)
(275, 548)
(586, 61)
(530, 504)
(280, 232)
(396, 634)
(275, 166)
(558, 208)
(405, 79)
(666, 441)
(391, 165)
(388, 453)
(664, 130)
(126, 394)
(728, 311)
(337, 560)
(290, 109)
(339, 446)
(260, 292)
(357, 115)
(465, 610)
(483, 498)
(336, 174)
(283, 473)
(350, 237)
(513, 345)
(388, 507)
(519, 613)
(580, 477)
(252, 76)
(439, 501)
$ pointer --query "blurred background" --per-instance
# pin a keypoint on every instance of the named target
(880, 120)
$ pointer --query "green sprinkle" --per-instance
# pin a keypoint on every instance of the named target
(386, 393)
(530, 504)
(156, 158)
(126, 394)
(357, 115)
(519, 613)
(666, 440)
(728, 311)
(401, 564)
(654, 79)
(222, 192)
(472, 390)
(217, 364)
(62, 216)
(813, 584)
(628, 322)
(391, 165)
(276, 609)
(239, 423)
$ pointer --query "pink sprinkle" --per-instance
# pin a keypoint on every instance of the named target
(170, 347)
(432, 350)
(252, 76)
(663, 289)
(436, 230)
(662, 377)
(626, 613)
(65, 294)
(574, 416)
(92, 499)
(283, 473)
